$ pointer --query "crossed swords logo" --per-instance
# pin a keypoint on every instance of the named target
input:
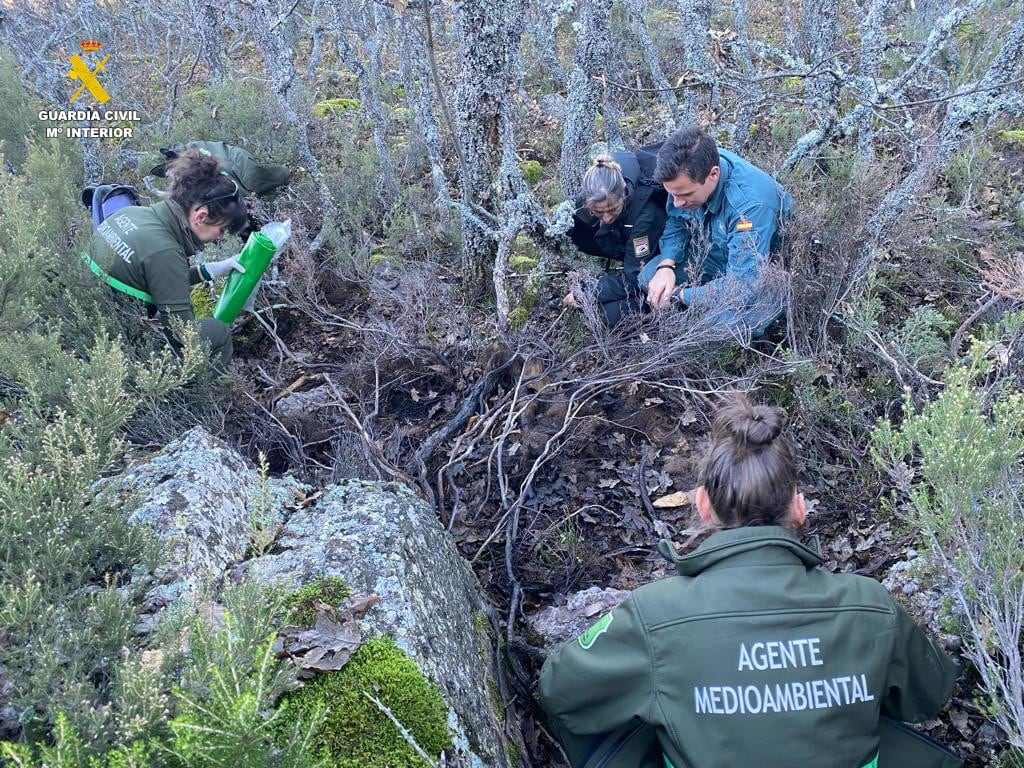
(80, 71)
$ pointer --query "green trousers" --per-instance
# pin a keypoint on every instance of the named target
(635, 745)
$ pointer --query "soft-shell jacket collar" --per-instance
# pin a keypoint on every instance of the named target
(717, 199)
(777, 543)
(173, 217)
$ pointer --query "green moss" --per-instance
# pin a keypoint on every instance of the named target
(332, 106)
(532, 171)
(522, 262)
(203, 303)
(301, 604)
(1011, 137)
(514, 753)
(355, 733)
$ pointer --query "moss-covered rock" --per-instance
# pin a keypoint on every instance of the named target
(355, 733)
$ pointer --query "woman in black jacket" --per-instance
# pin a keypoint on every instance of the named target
(620, 217)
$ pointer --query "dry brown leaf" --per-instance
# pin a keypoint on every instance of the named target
(328, 645)
(678, 499)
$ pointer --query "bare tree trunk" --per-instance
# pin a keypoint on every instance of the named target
(367, 68)
(695, 20)
(208, 19)
(593, 53)
(542, 23)
(754, 95)
(817, 42)
(871, 41)
(416, 77)
(488, 36)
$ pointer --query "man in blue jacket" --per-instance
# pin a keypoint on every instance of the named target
(723, 221)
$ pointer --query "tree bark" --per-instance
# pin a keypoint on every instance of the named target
(488, 35)
(593, 52)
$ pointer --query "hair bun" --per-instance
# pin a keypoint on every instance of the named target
(752, 425)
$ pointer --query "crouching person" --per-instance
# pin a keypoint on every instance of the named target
(619, 216)
(723, 224)
(752, 655)
(144, 251)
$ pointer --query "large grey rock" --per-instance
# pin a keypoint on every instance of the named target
(913, 583)
(382, 539)
(205, 502)
(558, 623)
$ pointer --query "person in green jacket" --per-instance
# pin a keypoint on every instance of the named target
(753, 655)
(145, 251)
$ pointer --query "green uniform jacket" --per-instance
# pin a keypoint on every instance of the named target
(149, 248)
(752, 656)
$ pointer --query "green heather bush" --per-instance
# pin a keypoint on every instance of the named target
(242, 112)
(355, 733)
(957, 463)
(20, 121)
(67, 391)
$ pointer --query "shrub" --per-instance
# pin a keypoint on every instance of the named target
(20, 122)
(355, 733)
(958, 463)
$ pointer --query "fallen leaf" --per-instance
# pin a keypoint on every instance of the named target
(358, 606)
(678, 499)
(328, 645)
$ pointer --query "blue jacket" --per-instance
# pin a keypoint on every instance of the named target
(740, 221)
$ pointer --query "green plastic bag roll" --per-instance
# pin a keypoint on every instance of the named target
(255, 257)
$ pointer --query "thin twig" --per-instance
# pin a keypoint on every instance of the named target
(401, 728)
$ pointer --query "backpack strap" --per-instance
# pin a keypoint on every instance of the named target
(113, 282)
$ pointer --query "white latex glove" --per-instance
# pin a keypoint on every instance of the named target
(221, 268)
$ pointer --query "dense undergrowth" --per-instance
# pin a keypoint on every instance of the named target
(899, 370)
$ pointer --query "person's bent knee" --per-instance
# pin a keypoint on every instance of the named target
(218, 334)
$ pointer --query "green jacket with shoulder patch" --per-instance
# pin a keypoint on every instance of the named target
(751, 656)
(149, 248)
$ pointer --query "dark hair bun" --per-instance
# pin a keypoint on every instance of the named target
(750, 425)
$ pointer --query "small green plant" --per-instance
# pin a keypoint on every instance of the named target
(331, 106)
(300, 605)
(264, 521)
(19, 119)
(203, 302)
(355, 732)
(922, 338)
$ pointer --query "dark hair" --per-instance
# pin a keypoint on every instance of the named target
(197, 180)
(750, 472)
(688, 150)
(603, 181)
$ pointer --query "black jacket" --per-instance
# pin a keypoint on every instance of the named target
(633, 237)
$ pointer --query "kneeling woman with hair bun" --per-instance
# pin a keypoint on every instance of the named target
(619, 216)
(753, 655)
(145, 251)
